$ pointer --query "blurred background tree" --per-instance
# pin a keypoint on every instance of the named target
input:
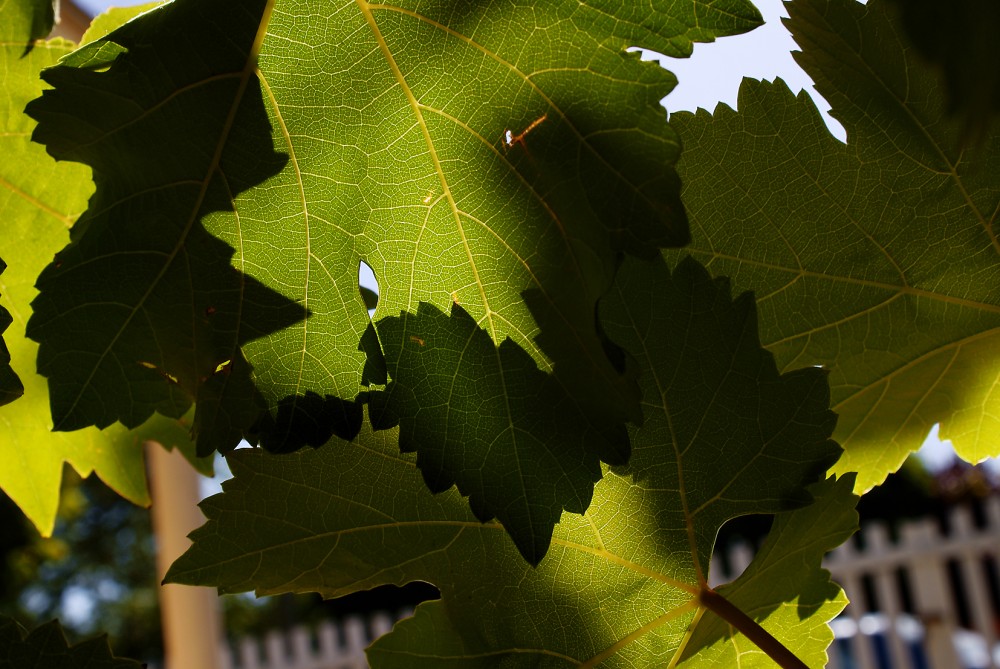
(97, 574)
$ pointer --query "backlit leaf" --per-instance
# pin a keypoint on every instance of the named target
(499, 156)
(958, 40)
(487, 419)
(39, 200)
(784, 588)
(724, 434)
(390, 145)
(879, 259)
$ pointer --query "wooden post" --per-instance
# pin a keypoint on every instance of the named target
(191, 617)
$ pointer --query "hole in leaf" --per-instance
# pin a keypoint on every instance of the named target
(368, 286)
(737, 542)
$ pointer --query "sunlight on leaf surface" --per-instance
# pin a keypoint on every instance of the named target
(879, 259)
(783, 588)
(619, 584)
(499, 156)
(388, 123)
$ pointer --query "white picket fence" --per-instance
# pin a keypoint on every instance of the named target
(327, 646)
(910, 598)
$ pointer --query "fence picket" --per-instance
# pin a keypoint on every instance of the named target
(328, 646)
(974, 577)
(887, 593)
(843, 565)
(932, 597)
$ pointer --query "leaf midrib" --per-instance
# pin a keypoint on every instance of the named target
(867, 283)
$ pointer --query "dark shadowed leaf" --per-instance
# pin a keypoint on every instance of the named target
(959, 40)
(172, 319)
(487, 419)
(11, 387)
(39, 200)
(45, 647)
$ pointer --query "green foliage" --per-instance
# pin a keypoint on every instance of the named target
(621, 582)
(39, 200)
(10, 385)
(879, 259)
(187, 158)
(958, 39)
(45, 648)
(782, 586)
(550, 417)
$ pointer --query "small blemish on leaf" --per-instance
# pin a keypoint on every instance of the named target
(169, 377)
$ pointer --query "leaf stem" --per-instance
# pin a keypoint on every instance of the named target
(749, 627)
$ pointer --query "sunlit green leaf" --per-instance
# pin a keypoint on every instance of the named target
(499, 156)
(521, 229)
(724, 434)
(879, 259)
(784, 588)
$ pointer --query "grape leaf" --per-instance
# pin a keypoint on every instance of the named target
(497, 154)
(28, 20)
(958, 39)
(879, 259)
(45, 647)
(39, 200)
(785, 586)
(487, 419)
(109, 21)
(464, 166)
(724, 434)
(10, 385)
(142, 227)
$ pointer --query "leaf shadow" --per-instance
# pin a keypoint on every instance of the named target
(486, 419)
(144, 297)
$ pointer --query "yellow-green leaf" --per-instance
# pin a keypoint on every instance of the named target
(39, 201)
